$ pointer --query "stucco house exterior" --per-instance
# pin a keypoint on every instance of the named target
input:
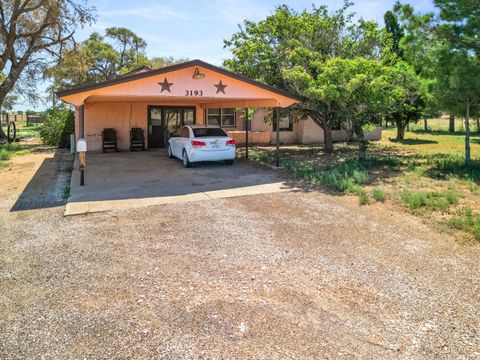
(161, 100)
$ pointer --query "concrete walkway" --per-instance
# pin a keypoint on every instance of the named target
(131, 180)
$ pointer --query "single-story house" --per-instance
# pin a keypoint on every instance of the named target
(195, 92)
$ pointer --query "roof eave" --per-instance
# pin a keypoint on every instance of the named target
(196, 62)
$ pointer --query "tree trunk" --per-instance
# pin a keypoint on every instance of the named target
(2, 133)
(451, 126)
(400, 130)
(467, 136)
(327, 130)
(362, 148)
(323, 123)
(478, 125)
(425, 124)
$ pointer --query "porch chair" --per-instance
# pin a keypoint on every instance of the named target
(109, 139)
(137, 139)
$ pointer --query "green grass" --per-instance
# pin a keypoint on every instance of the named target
(345, 176)
(5, 155)
(466, 221)
(428, 200)
(363, 198)
(378, 195)
(425, 174)
(7, 151)
(432, 143)
(66, 192)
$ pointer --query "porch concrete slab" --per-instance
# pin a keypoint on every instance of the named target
(130, 180)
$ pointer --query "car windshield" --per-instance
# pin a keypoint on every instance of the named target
(209, 132)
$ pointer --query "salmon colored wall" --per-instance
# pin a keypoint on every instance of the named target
(120, 116)
(303, 131)
(124, 116)
(236, 91)
(254, 137)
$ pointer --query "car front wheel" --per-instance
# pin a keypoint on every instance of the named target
(185, 160)
(229, 162)
(169, 150)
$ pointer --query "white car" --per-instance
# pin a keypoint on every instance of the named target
(195, 143)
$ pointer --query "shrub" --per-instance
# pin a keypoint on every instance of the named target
(378, 195)
(58, 125)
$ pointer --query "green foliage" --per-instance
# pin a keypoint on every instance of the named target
(8, 150)
(5, 155)
(33, 35)
(411, 165)
(454, 165)
(306, 53)
(407, 102)
(378, 195)
(58, 125)
(345, 176)
(429, 200)
(363, 198)
(100, 57)
(66, 192)
(467, 222)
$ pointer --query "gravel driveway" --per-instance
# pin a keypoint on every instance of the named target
(285, 275)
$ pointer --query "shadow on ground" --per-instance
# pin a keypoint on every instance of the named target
(414, 141)
(151, 174)
(49, 186)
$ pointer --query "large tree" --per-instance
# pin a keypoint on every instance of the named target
(408, 100)
(411, 79)
(302, 40)
(354, 91)
(32, 35)
(104, 57)
(100, 57)
(458, 54)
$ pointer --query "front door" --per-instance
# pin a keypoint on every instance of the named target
(164, 120)
(155, 128)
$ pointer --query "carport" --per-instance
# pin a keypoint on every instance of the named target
(138, 179)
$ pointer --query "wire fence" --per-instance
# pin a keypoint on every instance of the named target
(21, 119)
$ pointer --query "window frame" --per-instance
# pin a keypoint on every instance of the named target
(283, 113)
(221, 114)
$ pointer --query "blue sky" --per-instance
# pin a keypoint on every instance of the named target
(196, 28)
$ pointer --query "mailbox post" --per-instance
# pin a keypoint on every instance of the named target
(82, 150)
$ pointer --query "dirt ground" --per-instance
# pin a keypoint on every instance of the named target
(286, 275)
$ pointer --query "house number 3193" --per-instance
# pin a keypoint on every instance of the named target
(193, 92)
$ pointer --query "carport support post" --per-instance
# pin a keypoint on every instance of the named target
(277, 138)
(81, 121)
(81, 125)
(246, 133)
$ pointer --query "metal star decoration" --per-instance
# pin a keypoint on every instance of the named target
(165, 85)
(220, 87)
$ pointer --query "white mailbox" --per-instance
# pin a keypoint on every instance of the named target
(81, 145)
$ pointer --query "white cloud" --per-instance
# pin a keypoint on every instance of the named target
(153, 12)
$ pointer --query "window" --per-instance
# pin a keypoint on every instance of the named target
(285, 121)
(228, 117)
(209, 132)
(221, 117)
